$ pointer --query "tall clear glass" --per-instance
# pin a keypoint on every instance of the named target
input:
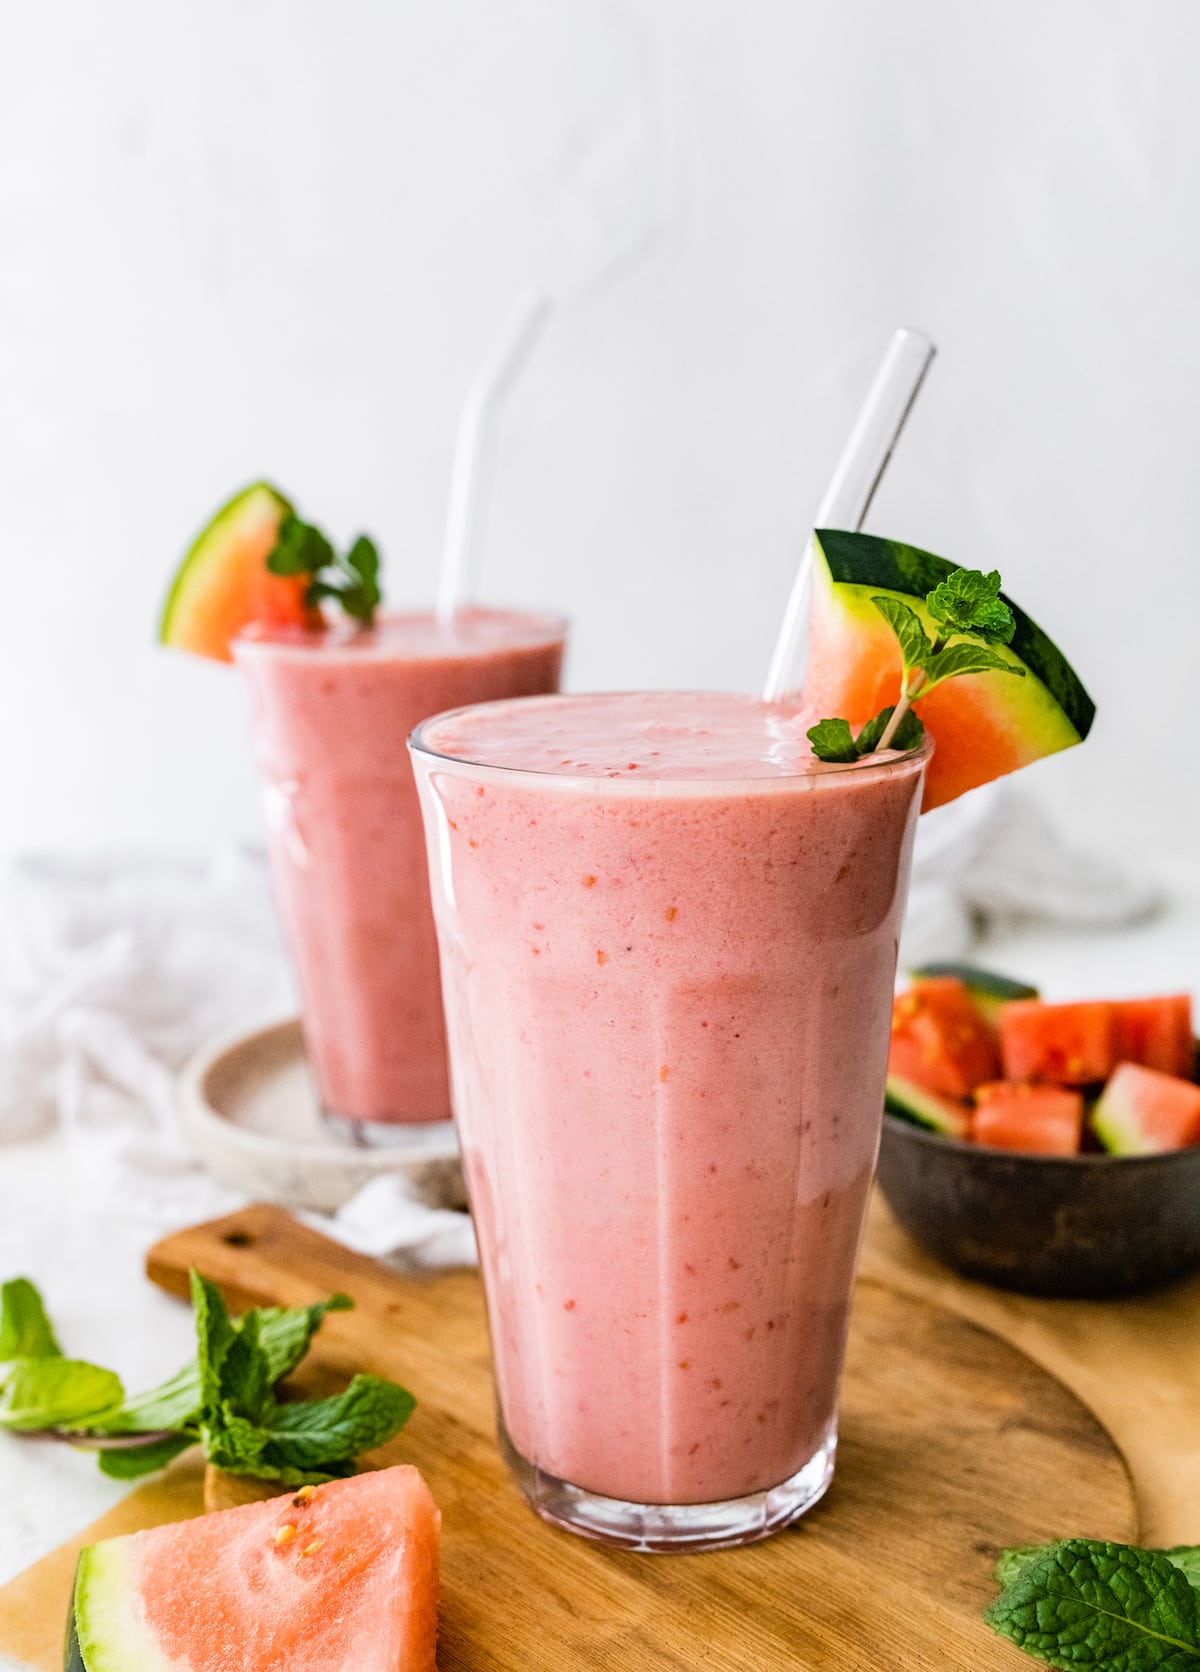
(668, 947)
(331, 712)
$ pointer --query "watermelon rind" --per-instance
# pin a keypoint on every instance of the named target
(873, 564)
(251, 506)
(988, 991)
(925, 1108)
(107, 1632)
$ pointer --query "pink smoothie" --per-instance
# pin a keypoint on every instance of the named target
(331, 713)
(669, 944)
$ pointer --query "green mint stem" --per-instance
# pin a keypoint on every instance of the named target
(907, 697)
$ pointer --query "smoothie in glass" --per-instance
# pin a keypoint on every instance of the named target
(331, 713)
(668, 944)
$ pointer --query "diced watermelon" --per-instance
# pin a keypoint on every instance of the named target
(988, 991)
(1040, 1120)
(939, 1040)
(1157, 1033)
(947, 1115)
(223, 584)
(984, 724)
(340, 1576)
(1064, 1044)
(1141, 1112)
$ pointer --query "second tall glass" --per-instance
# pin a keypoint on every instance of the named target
(331, 713)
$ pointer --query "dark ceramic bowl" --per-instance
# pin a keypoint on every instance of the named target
(1093, 1226)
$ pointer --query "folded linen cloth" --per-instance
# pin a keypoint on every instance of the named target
(114, 971)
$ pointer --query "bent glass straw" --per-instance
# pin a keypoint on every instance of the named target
(471, 471)
(852, 487)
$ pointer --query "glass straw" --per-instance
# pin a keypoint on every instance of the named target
(848, 497)
(474, 443)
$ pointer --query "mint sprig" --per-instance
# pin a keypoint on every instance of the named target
(224, 1398)
(965, 606)
(350, 580)
(1082, 1602)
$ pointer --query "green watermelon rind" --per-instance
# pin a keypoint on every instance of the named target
(919, 1107)
(108, 1634)
(977, 982)
(210, 545)
(879, 565)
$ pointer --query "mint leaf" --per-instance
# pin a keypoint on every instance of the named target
(362, 560)
(909, 734)
(175, 1403)
(25, 1330)
(1186, 1557)
(832, 740)
(285, 1333)
(311, 1434)
(958, 659)
(214, 1337)
(351, 581)
(55, 1393)
(132, 1462)
(915, 646)
(1082, 1603)
(969, 602)
(1013, 1563)
(245, 1374)
(300, 549)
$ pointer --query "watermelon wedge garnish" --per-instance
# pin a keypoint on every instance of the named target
(343, 1575)
(984, 724)
(223, 584)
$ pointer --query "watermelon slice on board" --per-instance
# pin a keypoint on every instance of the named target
(984, 724)
(333, 1576)
(223, 584)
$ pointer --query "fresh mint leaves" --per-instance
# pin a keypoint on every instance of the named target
(965, 606)
(350, 580)
(38, 1386)
(54, 1392)
(1084, 1603)
(244, 1429)
(833, 741)
(25, 1330)
(968, 601)
(224, 1398)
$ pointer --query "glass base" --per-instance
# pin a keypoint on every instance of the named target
(432, 1138)
(666, 1528)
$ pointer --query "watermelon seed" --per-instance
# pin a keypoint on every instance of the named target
(311, 1549)
(285, 1534)
(302, 1497)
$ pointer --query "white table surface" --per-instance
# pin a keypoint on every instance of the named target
(88, 1262)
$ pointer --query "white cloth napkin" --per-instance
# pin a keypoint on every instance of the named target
(113, 971)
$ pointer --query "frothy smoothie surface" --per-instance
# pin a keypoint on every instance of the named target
(668, 945)
(653, 734)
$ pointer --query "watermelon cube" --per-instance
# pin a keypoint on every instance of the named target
(939, 1040)
(1157, 1033)
(1041, 1120)
(1065, 1044)
(1142, 1112)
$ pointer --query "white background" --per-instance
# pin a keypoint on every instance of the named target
(273, 237)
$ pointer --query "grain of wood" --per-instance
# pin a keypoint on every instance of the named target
(953, 1445)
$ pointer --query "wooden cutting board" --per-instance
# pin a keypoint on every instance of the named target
(953, 1445)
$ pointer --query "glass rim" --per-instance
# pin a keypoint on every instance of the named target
(345, 637)
(821, 771)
